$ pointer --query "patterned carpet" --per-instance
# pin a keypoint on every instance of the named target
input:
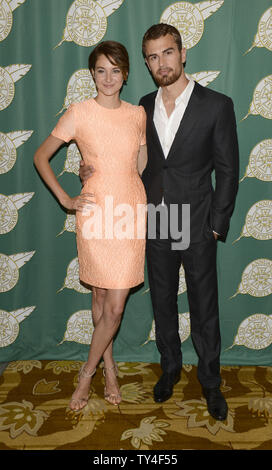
(34, 416)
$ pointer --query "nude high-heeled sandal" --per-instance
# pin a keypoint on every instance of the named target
(112, 396)
(85, 374)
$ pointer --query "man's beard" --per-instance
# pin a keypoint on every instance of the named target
(166, 80)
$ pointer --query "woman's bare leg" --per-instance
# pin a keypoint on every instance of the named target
(98, 299)
(105, 329)
(112, 387)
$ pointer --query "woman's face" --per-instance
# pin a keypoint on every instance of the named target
(108, 77)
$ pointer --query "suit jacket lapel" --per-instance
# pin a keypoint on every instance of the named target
(188, 121)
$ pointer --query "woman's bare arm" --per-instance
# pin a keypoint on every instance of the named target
(41, 161)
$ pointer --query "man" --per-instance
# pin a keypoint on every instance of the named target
(191, 131)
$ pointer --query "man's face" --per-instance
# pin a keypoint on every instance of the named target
(164, 60)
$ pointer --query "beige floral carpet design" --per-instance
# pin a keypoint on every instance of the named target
(34, 416)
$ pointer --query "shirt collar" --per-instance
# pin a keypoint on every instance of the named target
(184, 96)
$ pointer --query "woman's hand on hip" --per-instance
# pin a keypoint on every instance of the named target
(79, 203)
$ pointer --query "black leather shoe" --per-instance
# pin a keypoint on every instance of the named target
(163, 389)
(217, 405)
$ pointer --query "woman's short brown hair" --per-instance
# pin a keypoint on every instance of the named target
(115, 52)
(161, 29)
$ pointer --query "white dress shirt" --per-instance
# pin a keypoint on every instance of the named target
(167, 126)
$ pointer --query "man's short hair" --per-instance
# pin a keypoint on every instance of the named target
(161, 29)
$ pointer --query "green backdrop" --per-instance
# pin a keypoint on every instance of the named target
(44, 312)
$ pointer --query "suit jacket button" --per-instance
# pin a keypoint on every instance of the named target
(165, 167)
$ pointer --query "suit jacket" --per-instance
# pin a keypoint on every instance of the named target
(206, 140)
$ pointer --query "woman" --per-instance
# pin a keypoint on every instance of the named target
(110, 134)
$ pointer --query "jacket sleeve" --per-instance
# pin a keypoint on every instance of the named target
(226, 165)
(141, 102)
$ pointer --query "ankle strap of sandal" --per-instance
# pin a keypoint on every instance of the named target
(84, 373)
(110, 368)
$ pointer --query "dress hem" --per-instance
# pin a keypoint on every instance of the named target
(112, 287)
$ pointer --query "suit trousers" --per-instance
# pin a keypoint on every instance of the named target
(199, 263)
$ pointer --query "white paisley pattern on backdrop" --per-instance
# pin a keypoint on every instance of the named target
(9, 324)
(256, 279)
(262, 99)
(6, 16)
(189, 18)
(8, 76)
(260, 162)
(263, 37)
(8, 144)
(86, 21)
(255, 332)
(9, 269)
(258, 222)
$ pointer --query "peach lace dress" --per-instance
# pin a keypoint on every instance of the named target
(110, 236)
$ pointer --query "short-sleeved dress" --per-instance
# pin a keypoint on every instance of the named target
(111, 236)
